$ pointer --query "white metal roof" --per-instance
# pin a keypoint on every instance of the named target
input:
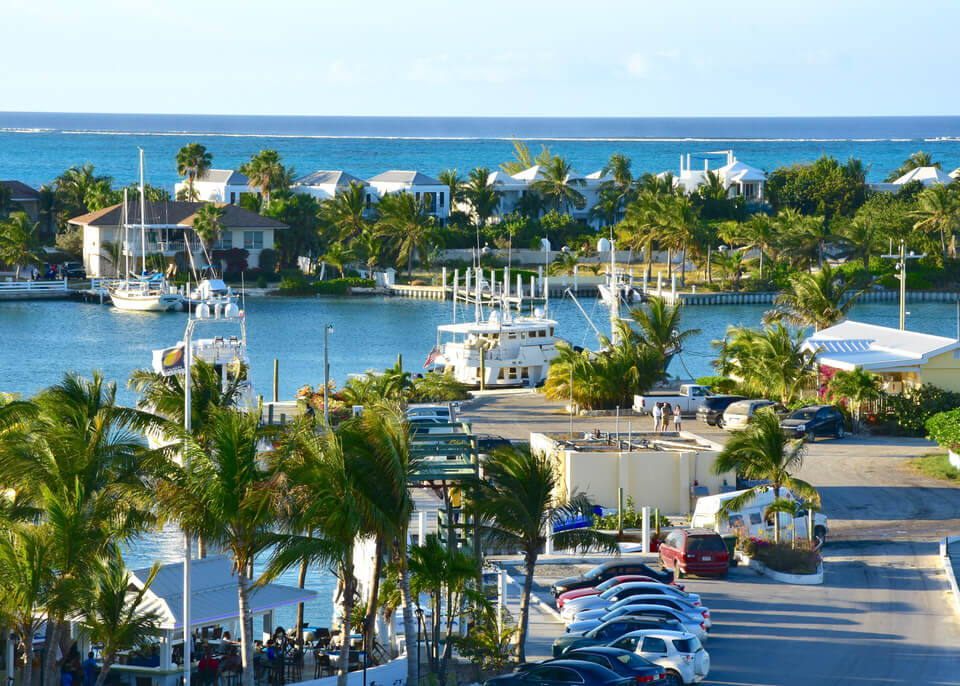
(852, 344)
(410, 177)
(213, 593)
(533, 173)
(229, 177)
(925, 175)
(955, 174)
(738, 172)
(324, 177)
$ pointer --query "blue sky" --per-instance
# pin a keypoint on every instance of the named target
(523, 57)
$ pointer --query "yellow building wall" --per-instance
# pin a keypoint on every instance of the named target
(942, 370)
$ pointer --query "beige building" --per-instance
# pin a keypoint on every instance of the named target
(667, 471)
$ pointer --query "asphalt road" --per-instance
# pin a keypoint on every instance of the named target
(883, 614)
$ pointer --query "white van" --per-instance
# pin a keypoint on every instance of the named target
(750, 518)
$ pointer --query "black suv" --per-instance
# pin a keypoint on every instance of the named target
(607, 570)
(814, 420)
(712, 407)
(73, 270)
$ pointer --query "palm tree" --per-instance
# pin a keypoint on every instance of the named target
(266, 173)
(731, 262)
(6, 202)
(404, 219)
(114, 615)
(371, 245)
(818, 300)
(347, 211)
(483, 198)
(759, 233)
(659, 325)
(641, 225)
(524, 159)
(858, 387)
(18, 242)
(770, 363)
(26, 570)
(915, 161)
(225, 494)
(518, 501)
(193, 161)
(938, 210)
(762, 452)
(338, 256)
(862, 236)
(455, 185)
(607, 208)
(208, 223)
(531, 204)
(618, 169)
(683, 221)
(557, 183)
(72, 189)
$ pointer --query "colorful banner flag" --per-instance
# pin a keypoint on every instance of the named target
(169, 361)
(434, 354)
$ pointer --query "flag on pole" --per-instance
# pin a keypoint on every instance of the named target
(169, 361)
(434, 354)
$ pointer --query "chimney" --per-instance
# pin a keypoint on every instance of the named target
(681, 164)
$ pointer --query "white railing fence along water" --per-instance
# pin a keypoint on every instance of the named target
(59, 285)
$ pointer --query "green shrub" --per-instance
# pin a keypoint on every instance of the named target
(718, 384)
(268, 260)
(262, 281)
(341, 286)
(631, 519)
(944, 428)
(912, 408)
(438, 388)
(791, 557)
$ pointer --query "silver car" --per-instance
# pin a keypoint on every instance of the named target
(694, 625)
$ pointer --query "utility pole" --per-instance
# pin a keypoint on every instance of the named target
(902, 258)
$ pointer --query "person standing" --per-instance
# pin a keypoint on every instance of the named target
(677, 418)
(657, 413)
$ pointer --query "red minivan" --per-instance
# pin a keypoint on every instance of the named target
(694, 551)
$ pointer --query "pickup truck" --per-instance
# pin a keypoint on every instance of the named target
(688, 397)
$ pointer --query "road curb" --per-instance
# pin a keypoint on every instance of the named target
(782, 577)
(948, 568)
(534, 599)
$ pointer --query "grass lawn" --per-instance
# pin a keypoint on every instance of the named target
(938, 466)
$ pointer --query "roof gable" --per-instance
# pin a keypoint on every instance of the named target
(20, 190)
(926, 176)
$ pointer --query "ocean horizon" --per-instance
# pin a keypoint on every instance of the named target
(35, 147)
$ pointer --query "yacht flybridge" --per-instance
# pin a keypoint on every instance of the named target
(500, 352)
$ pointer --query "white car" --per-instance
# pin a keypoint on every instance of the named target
(738, 414)
(679, 653)
(612, 595)
(694, 625)
(636, 603)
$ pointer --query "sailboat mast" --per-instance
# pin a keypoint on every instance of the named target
(126, 237)
(143, 216)
(614, 289)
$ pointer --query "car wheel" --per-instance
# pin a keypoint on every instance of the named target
(677, 572)
(811, 436)
(820, 533)
(673, 679)
(839, 433)
(719, 423)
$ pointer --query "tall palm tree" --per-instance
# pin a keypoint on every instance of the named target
(266, 173)
(518, 501)
(659, 325)
(226, 495)
(208, 223)
(818, 300)
(338, 256)
(524, 159)
(531, 204)
(193, 161)
(938, 210)
(862, 236)
(26, 570)
(557, 183)
(404, 219)
(762, 452)
(348, 210)
(915, 161)
(115, 616)
(370, 245)
(618, 169)
(455, 185)
(731, 262)
(73, 188)
(771, 363)
(641, 226)
(857, 387)
(19, 244)
(760, 234)
(483, 198)
(683, 222)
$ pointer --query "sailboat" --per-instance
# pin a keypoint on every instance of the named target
(146, 292)
(617, 289)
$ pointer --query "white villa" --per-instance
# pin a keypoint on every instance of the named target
(928, 176)
(740, 179)
(433, 193)
(324, 184)
(169, 230)
(218, 185)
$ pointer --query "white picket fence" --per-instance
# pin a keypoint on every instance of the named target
(33, 286)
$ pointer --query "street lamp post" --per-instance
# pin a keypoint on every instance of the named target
(419, 624)
(327, 328)
(902, 269)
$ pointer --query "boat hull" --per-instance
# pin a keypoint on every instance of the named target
(145, 302)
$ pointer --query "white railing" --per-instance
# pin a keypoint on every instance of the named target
(33, 286)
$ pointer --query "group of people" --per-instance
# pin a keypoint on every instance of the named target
(210, 669)
(661, 417)
(74, 672)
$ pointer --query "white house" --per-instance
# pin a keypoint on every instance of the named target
(955, 174)
(903, 359)
(421, 186)
(928, 176)
(218, 185)
(324, 184)
(740, 179)
(169, 230)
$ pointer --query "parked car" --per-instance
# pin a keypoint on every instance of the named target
(688, 397)
(73, 270)
(694, 624)
(711, 409)
(627, 590)
(637, 602)
(609, 631)
(814, 420)
(623, 662)
(694, 551)
(608, 570)
(750, 518)
(680, 653)
(738, 414)
(601, 587)
(554, 672)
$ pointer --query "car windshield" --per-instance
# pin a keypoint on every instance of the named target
(609, 583)
(595, 572)
(632, 660)
(698, 544)
(687, 645)
(804, 414)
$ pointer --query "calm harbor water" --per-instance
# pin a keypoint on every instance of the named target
(368, 333)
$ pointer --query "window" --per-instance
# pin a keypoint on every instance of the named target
(736, 521)
(441, 199)
(686, 645)
(588, 657)
(512, 373)
(696, 544)
(652, 644)
(627, 643)
(233, 197)
(253, 240)
(754, 518)
(224, 242)
(612, 630)
(524, 372)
